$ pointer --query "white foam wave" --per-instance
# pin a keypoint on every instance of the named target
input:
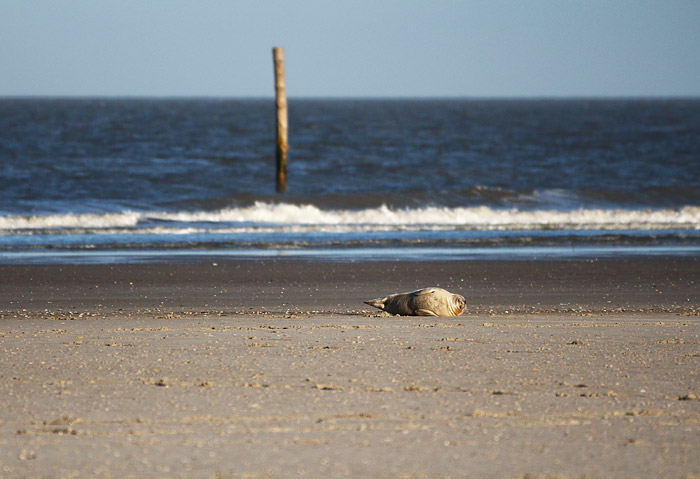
(284, 217)
(86, 220)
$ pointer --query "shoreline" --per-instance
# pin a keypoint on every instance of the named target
(344, 254)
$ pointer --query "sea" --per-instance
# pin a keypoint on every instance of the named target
(109, 180)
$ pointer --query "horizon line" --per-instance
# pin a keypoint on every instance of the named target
(347, 97)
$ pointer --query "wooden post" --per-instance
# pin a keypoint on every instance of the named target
(281, 101)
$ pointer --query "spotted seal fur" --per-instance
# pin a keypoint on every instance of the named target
(422, 302)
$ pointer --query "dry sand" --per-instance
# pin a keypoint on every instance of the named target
(276, 369)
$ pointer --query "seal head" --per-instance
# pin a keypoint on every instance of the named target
(422, 302)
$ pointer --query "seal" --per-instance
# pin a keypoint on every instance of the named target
(423, 302)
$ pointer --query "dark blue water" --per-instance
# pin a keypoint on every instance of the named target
(179, 173)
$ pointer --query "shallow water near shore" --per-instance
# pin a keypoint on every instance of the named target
(116, 256)
(137, 175)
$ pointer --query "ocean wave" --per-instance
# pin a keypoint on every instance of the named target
(62, 221)
(292, 218)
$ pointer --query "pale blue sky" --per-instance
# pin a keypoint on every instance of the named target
(358, 48)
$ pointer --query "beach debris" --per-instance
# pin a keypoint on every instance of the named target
(62, 421)
(27, 455)
(422, 302)
(327, 387)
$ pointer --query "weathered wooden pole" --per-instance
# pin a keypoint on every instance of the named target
(281, 101)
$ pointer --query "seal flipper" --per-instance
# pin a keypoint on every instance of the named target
(377, 303)
(425, 312)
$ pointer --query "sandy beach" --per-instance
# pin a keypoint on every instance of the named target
(244, 368)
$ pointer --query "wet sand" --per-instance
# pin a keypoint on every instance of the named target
(251, 369)
(654, 284)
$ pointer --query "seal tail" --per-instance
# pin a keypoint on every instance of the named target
(377, 303)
